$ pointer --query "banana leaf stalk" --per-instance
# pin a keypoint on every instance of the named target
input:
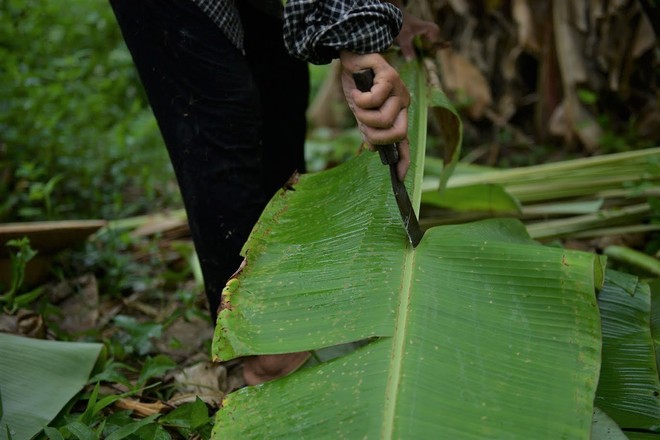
(631, 215)
(635, 258)
(555, 200)
(631, 174)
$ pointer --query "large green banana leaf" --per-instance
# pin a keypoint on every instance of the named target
(478, 333)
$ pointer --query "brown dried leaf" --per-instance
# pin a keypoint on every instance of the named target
(460, 76)
(142, 409)
(206, 380)
(31, 324)
(78, 302)
(528, 37)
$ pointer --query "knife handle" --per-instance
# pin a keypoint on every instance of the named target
(364, 79)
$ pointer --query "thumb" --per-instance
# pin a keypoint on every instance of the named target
(404, 159)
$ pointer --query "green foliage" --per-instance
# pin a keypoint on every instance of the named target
(23, 253)
(76, 131)
(154, 367)
(95, 419)
(324, 148)
(112, 371)
(189, 419)
(110, 256)
(629, 383)
(618, 135)
(135, 336)
(77, 137)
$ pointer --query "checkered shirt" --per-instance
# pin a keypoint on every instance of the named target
(315, 30)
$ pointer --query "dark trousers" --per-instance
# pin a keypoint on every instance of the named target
(233, 123)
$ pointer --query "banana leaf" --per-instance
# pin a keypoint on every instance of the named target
(491, 199)
(629, 387)
(479, 332)
(37, 379)
(655, 319)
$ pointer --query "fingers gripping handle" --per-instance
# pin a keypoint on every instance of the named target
(364, 79)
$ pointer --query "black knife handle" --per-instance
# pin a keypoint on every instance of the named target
(364, 79)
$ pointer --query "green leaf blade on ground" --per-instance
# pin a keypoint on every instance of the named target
(655, 319)
(191, 415)
(38, 378)
(629, 387)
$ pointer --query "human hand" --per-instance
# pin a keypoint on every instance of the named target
(413, 27)
(382, 112)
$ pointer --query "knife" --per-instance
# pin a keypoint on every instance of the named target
(389, 155)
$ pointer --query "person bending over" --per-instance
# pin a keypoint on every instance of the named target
(228, 84)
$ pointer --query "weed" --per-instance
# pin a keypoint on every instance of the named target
(72, 99)
(137, 337)
(12, 299)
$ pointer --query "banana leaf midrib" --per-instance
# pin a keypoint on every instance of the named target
(403, 313)
(398, 348)
(536, 171)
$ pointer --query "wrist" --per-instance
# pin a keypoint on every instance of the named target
(353, 62)
(350, 60)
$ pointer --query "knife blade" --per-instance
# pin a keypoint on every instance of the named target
(389, 155)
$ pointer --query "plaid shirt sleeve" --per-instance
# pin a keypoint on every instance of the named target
(316, 30)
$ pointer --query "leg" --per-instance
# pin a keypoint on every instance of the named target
(283, 83)
(205, 101)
